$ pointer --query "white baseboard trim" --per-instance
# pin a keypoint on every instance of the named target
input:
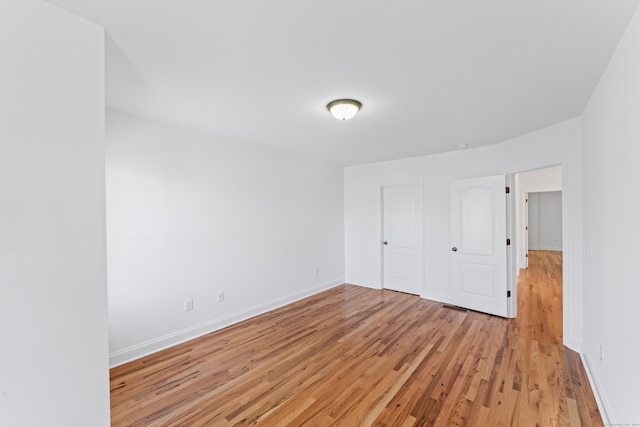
(601, 400)
(152, 346)
(364, 282)
(546, 248)
(573, 344)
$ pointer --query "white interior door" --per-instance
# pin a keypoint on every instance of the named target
(526, 230)
(402, 236)
(479, 244)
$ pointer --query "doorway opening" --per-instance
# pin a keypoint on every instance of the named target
(541, 225)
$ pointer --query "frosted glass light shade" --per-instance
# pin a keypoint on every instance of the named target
(344, 109)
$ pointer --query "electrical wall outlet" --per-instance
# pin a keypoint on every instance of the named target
(220, 296)
(188, 304)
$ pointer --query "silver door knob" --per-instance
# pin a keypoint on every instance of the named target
(385, 243)
(454, 249)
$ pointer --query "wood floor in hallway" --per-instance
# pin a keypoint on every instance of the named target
(353, 356)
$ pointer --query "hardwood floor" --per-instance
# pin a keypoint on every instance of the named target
(353, 356)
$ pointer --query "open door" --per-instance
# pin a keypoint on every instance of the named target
(479, 244)
(526, 230)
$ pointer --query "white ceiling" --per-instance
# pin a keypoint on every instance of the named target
(431, 74)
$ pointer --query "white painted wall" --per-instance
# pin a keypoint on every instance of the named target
(53, 299)
(545, 221)
(611, 138)
(190, 215)
(547, 179)
(559, 144)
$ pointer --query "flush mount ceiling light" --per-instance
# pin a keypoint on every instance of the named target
(344, 109)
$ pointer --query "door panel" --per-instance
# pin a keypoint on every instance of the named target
(477, 279)
(478, 241)
(476, 210)
(402, 232)
(526, 230)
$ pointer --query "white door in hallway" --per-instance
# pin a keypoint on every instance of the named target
(526, 230)
(479, 244)
(402, 235)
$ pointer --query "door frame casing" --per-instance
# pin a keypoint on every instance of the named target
(571, 243)
(420, 233)
(525, 232)
(512, 258)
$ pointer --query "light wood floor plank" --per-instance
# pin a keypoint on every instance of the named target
(353, 356)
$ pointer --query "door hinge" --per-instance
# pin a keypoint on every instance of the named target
(526, 255)
(508, 190)
(508, 242)
(508, 294)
